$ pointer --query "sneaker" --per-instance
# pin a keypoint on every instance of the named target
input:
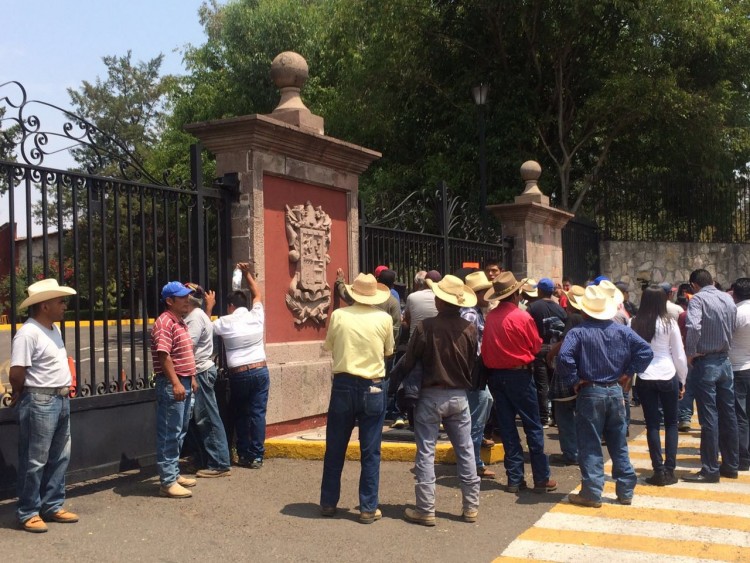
(35, 525)
(256, 464)
(515, 488)
(327, 511)
(175, 490)
(579, 500)
(416, 517)
(627, 501)
(684, 426)
(485, 473)
(210, 473)
(370, 517)
(470, 515)
(658, 479)
(186, 481)
(399, 423)
(546, 486)
(62, 516)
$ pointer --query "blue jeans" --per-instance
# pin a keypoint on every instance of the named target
(655, 392)
(600, 413)
(172, 419)
(742, 407)
(209, 423)
(450, 406)
(565, 417)
(43, 453)
(480, 404)
(713, 386)
(686, 403)
(514, 393)
(354, 402)
(248, 402)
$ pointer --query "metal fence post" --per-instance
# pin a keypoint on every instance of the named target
(198, 231)
(445, 227)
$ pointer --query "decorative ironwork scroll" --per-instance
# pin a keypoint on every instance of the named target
(308, 232)
(24, 132)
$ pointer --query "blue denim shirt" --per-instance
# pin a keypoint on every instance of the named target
(600, 352)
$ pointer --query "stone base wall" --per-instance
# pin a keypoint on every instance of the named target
(672, 262)
(300, 380)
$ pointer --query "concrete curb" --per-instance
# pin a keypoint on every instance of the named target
(291, 448)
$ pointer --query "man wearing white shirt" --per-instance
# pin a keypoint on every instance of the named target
(739, 355)
(242, 332)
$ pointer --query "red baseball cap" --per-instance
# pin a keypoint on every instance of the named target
(379, 269)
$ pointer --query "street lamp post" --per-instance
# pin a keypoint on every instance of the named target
(480, 99)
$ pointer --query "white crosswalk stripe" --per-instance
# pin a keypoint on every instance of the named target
(681, 523)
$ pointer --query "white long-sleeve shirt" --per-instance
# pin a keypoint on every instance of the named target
(739, 353)
(669, 353)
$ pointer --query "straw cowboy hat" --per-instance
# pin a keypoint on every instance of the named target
(597, 303)
(478, 281)
(452, 290)
(503, 286)
(575, 294)
(611, 289)
(45, 290)
(529, 288)
(366, 290)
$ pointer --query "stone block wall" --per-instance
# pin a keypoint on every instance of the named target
(672, 262)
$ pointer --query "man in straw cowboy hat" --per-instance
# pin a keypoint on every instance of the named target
(596, 358)
(41, 378)
(511, 342)
(359, 336)
(447, 347)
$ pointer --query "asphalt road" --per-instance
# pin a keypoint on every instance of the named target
(271, 514)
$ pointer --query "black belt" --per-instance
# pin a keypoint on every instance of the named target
(350, 376)
(598, 384)
(54, 391)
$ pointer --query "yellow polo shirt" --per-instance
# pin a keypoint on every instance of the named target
(359, 337)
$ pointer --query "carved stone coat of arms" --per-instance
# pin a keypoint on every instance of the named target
(308, 232)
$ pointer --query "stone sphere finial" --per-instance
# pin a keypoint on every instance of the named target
(289, 72)
(531, 171)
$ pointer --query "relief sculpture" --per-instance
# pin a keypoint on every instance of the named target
(308, 232)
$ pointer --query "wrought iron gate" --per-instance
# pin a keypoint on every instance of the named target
(117, 239)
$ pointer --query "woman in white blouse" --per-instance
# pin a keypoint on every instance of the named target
(663, 382)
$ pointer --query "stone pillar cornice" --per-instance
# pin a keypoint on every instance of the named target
(270, 135)
(533, 212)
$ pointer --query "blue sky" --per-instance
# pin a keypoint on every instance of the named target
(52, 45)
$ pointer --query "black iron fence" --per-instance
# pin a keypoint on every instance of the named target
(580, 242)
(116, 242)
(407, 251)
(656, 208)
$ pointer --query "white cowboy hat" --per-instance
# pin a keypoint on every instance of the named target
(45, 290)
(597, 303)
(503, 286)
(366, 290)
(478, 281)
(575, 294)
(529, 288)
(452, 290)
(612, 290)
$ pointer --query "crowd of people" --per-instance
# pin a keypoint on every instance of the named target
(470, 353)
(477, 352)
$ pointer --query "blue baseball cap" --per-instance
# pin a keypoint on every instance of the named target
(174, 289)
(599, 279)
(546, 285)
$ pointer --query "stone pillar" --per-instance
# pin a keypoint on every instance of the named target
(536, 228)
(296, 220)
